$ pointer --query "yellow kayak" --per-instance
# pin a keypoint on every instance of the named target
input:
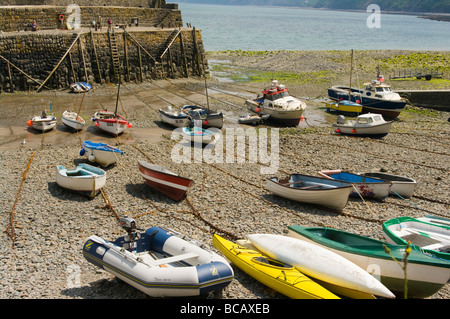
(279, 276)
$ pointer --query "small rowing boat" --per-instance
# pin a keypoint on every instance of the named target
(292, 283)
(367, 187)
(100, 153)
(73, 120)
(344, 107)
(425, 275)
(159, 262)
(110, 122)
(178, 119)
(311, 189)
(199, 135)
(164, 181)
(79, 87)
(431, 238)
(85, 179)
(401, 185)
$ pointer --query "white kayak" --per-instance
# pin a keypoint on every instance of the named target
(319, 263)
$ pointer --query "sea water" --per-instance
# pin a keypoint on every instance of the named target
(282, 28)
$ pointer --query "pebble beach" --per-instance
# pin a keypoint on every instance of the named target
(44, 227)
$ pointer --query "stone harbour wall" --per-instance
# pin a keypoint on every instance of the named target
(29, 59)
(20, 18)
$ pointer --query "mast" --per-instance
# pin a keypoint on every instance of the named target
(351, 71)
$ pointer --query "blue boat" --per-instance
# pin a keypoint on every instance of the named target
(367, 187)
(80, 87)
(159, 262)
(198, 134)
(100, 153)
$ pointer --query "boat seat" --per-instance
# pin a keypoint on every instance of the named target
(173, 259)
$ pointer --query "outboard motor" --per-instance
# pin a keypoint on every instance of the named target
(341, 119)
(129, 224)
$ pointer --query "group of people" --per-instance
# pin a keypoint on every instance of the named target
(97, 25)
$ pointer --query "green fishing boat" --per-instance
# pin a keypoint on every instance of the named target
(426, 275)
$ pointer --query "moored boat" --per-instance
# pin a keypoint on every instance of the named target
(318, 262)
(110, 122)
(425, 275)
(85, 179)
(159, 262)
(401, 185)
(344, 107)
(164, 181)
(292, 283)
(312, 190)
(376, 97)
(208, 118)
(365, 125)
(73, 120)
(278, 104)
(431, 238)
(367, 187)
(100, 153)
(197, 134)
(43, 122)
(79, 87)
(178, 119)
(253, 118)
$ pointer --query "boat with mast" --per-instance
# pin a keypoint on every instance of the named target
(73, 119)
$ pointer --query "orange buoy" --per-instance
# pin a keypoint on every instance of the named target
(29, 123)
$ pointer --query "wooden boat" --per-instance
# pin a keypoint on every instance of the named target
(367, 187)
(199, 135)
(401, 185)
(178, 119)
(84, 179)
(431, 238)
(311, 189)
(43, 122)
(292, 283)
(319, 263)
(100, 153)
(164, 181)
(73, 120)
(79, 87)
(425, 275)
(207, 117)
(160, 263)
(278, 104)
(110, 122)
(344, 107)
(253, 118)
(376, 97)
(365, 125)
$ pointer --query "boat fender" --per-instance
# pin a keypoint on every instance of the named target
(29, 123)
(91, 158)
(82, 152)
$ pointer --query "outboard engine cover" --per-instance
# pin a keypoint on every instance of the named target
(341, 119)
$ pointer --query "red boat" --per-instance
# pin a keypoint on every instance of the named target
(164, 181)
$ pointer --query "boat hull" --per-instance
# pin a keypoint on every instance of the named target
(199, 135)
(207, 117)
(101, 153)
(174, 119)
(376, 131)
(292, 283)
(43, 124)
(301, 188)
(73, 120)
(366, 187)
(318, 262)
(430, 238)
(164, 181)
(79, 87)
(281, 116)
(190, 271)
(109, 123)
(84, 179)
(401, 185)
(426, 275)
(390, 109)
(345, 107)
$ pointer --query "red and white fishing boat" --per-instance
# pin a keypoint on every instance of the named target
(278, 104)
(164, 181)
(111, 122)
